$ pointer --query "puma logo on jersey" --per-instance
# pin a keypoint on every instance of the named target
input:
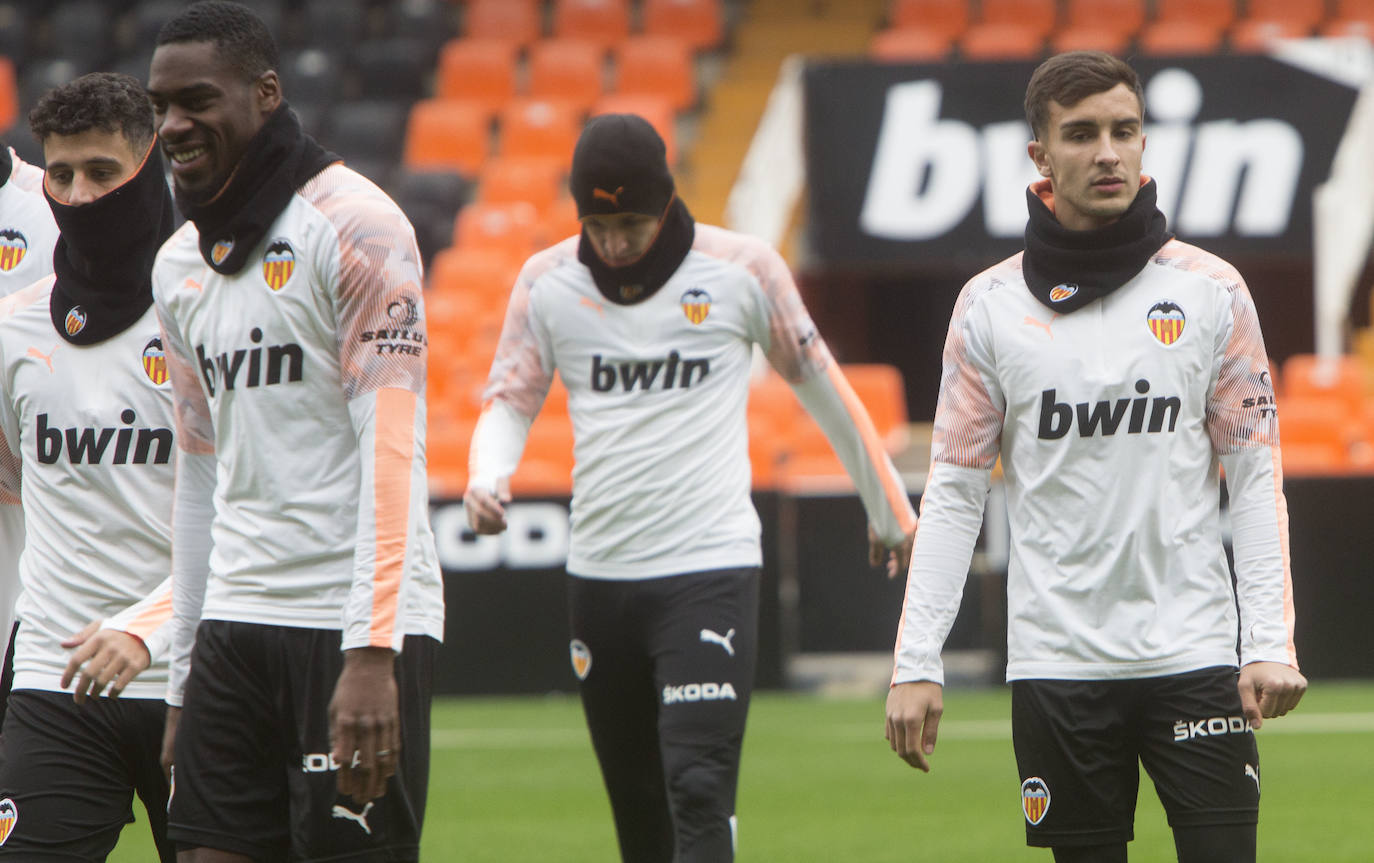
(1044, 325)
(644, 374)
(1104, 417)
(360, 818)
(89, 445)
(283, 364)
(46, 358)
(603, 195)
(711, 637)
(592, 304)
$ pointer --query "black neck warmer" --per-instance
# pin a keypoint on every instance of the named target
(641, 279)
(278, 160)
(1068, 269)
(104, 254)
(6, 163)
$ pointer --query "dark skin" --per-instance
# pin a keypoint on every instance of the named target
(206, 112)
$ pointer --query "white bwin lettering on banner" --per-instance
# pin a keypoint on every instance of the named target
(1230, 175)
(536, 537)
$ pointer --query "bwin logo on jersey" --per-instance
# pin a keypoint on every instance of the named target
(89, 445)
(644, 374)
(1104, 417)
(1166, 321)
(278, 263)
(692, 692)
(696, 305)
(282, 364)
(13, 247)
(155, 361)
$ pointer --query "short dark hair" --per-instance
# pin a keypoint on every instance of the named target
(242, 38)
(1072, 77)
(107, 101)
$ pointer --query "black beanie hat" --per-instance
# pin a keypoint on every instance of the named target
(620, 165)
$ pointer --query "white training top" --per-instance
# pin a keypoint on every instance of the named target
(300, 380)
(657, 393)
(1112, 423)
(92, 425)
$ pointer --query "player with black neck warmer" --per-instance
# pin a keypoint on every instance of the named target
(651, 321)
(86, 413)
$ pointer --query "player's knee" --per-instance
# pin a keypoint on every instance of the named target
(1115, 853)
(701, 789)
(1218, 843)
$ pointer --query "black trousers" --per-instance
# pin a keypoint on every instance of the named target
(666, 668)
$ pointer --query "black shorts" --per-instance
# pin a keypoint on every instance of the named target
(253, 770)
(1079, 744)
(70, 772)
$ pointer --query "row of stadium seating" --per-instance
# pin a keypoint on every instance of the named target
(935, 30)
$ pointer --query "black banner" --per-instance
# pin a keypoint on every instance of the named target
(913, 165)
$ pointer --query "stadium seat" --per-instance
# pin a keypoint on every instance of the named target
(1121, 16)
(14, 34)
(1304, 15)
(1351, 18)
(603, 22)
(516, 21)
(1001, 42)
(655, 109)
(1179, 37)
(510, 229)
(367, 130)
(539, 128)
(1310, 376)
(948, 18)
(9, 94)
(396, 68)
(773, 407)
(332, 24)
(478, 273)
(429, 21)
(511, 178)
(882, 392)
(1207, 14)
(1036, 15)
(699, 23)
(908, 45)
(1254, 36)
(1313, 459)
(308, 75)
(559, 222)
(571, 71)
(1089, 38)
(656, 66)
(82, 30)
(447, 133)
(481, 71)
(447, 442)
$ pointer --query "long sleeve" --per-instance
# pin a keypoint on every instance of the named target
(1245, 433)
(11, 522)
(149, 619)
(964, 448)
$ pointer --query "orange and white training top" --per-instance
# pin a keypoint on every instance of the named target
(1112, 423)
(92, 427)
(300, 385)
(657, 393)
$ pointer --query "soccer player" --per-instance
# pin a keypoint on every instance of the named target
(27, 234)
(303, 561)
(651, 321)
(1115, 370)
(86, 407)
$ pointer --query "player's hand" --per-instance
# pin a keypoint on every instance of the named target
(897, 557)
(1269, 689)
(365, 723)
(169, 739)
(913, 720)
(486, 511)
(104, 657)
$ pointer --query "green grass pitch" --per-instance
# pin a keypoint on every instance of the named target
(514, 779)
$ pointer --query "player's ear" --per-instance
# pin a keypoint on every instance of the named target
(1039, 156)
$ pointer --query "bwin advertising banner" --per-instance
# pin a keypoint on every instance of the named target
(909, 165)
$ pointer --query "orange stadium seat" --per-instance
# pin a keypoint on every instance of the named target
(515, 21)
(9, 94)
(477, 70)
(1253, 36)
(1001, 42)
(567, 70)
(699, 23)
(948, 18)
(656, 66)
(1305, 15)
(773, 408)
(1037, 15)
(559, 222)
(510, 229)
(1351, 18)
(556, 402)
(1310, 376)
(1121, 16)
(1208, 14)
(1313, 459)
(1090, 38)
(605, 22)
(1178, 37)
(446, 454)
(655, 109)
(520, 178)
(539, 128)
(445, 133)
(882, 392)
(475, 272)
(907, 45)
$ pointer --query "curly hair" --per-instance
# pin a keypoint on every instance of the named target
(1072, 77)
(101, 100)
(241, 37)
